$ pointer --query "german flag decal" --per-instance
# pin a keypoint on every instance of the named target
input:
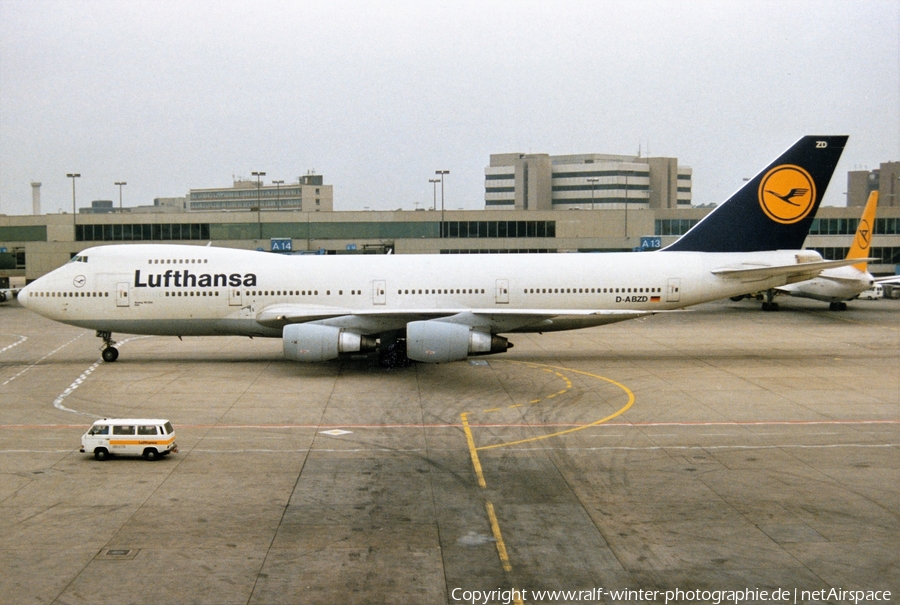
(787, 194)
(654, 299)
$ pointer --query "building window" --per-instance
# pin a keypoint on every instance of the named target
(676, 226)
(887, 226)
(886, 255)
(498, 229)
(139, 232)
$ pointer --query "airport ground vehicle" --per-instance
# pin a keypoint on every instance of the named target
(876, 291)
(147, 437)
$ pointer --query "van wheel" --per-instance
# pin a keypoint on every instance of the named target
(101, 454)
(150, 454)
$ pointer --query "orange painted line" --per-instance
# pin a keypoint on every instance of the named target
(498, 537)
(473, 451)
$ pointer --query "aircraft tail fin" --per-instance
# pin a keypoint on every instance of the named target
(773, 211)
(860, 246)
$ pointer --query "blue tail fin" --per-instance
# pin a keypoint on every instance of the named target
(774, 210)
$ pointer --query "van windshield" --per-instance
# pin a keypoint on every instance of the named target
(169, 429)
(102, 429)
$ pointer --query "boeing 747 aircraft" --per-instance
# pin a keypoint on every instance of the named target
(442, 308)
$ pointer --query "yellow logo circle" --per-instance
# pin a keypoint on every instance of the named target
(863, 234)
(787, 194)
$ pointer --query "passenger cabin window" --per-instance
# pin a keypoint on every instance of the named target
(147, 430)
(123, 430)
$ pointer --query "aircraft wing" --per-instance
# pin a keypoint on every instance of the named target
(797, 272)
(277, 315)
(840, 279)
(371, 321)
(889, 279)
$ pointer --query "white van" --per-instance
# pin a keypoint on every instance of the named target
(873, 293)
(150, 438)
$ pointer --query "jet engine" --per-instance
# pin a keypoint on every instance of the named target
(315, 342)
(440, 341)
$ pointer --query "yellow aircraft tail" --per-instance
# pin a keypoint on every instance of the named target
(860, 246)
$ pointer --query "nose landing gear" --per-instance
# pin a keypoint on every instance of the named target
(110, 353)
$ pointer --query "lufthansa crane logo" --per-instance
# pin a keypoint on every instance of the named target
(863, 235)
(79, 281)
(787, 194)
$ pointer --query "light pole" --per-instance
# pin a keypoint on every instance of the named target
(258, 203)
(626, 205)
(593, 183)
(442, 173)
(120, 183)
(73, 176)
(278, 185)
(434, 183)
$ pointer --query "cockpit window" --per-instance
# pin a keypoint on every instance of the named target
(78, 258)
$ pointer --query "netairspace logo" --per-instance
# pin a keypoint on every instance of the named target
(500, 596)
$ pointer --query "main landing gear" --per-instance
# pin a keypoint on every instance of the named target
(110, 353)
(837, 306)
(392, 354)
(768, 305)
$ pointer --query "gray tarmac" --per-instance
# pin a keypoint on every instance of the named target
(721, 448)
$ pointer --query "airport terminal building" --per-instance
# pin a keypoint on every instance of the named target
(308, 194)
(538, 181)
(31, 246)
(885, 180)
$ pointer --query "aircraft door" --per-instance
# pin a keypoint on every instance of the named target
(673, 290)
(123, 298)
(501, 292)
(235, 296)
(379, 292)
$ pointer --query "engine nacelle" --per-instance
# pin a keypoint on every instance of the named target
(441, 341)
(315, 342)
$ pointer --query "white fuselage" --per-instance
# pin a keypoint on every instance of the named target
(832, 285)
(192, 290)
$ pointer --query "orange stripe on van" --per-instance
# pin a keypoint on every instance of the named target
(140, 441)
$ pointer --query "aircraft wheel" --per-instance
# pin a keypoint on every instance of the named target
(110, 354)
(739, 298)
(101, 454)
(767, 306)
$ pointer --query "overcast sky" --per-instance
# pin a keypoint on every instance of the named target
(376, 96)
